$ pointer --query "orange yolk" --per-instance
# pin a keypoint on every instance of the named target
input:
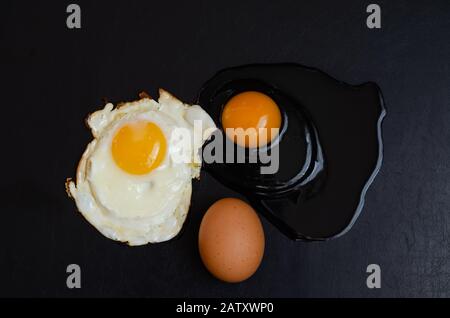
(248, 119)
(139, 147)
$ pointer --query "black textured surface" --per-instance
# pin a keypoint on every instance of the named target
(52, 77)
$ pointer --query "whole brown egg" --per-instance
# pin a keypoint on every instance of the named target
(231, 240)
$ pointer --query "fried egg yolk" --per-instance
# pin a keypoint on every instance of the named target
(139, 147)
(248, 119)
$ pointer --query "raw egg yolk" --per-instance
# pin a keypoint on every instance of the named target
(139, 147)
(248, 119)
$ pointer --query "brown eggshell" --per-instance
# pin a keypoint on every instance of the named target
(231, 240)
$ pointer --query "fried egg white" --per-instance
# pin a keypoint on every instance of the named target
(129, 191)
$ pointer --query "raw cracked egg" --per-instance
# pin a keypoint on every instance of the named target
(133, 181)
(325, 156)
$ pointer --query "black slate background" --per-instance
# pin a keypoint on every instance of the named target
(52, 77)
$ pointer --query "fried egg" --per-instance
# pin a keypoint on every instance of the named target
(134, 180)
